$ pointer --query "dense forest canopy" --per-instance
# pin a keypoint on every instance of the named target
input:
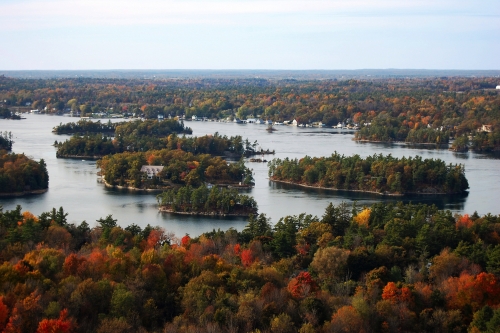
(85, 126)
(179, 167)
(214, 200)
(19, 174)
(377, 173)
(144, 135)
(385, 268)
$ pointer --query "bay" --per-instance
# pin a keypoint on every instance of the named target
(74, 183)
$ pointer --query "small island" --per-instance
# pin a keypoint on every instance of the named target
(20, 175)
(86, 126)
(385, 175)
(7, 114)
(203, 200)
(166, 168)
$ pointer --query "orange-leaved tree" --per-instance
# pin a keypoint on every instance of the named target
(59, 325)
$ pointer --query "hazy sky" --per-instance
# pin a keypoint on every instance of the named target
(249, 34)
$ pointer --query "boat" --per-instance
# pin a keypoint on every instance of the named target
(259, 121)
(270, 128)
(238, 121)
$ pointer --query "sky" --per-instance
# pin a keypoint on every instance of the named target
(249, 34)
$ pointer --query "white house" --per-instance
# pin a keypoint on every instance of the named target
(152, 170)
(295, 123)
(498, 87)
(485, 128)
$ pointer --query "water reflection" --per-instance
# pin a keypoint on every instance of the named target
(452, 201)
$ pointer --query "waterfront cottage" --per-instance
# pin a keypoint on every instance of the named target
(152, 170)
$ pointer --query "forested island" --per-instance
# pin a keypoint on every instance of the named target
(5, 113)
(385, 268)
(135, 135)
(414, 110)
(84, 126)
(21, 175)
(178, 167)
(206, 201)
(377, 173)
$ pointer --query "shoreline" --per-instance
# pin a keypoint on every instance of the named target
(164, 209)
(20, 194)
(360, 191)
(404, 142)
(76, 157)
(133, 188)
(102, 180)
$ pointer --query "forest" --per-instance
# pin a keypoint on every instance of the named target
(391, 267)
(20, 174)
(179, 168)
(208, 201)
(377, 173)
(416, 110)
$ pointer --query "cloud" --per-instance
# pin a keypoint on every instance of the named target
(28, 15)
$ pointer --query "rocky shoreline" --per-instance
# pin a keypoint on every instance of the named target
(430, 192)
(165, 209)
(133, 188)
(77, 157)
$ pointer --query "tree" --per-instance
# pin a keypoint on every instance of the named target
(330, 263)
(282, 324)
(347, 320)
(61, 325)
(302, 285)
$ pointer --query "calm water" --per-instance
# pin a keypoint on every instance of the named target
(74, 186)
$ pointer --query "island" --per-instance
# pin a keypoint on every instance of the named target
(204, 200)
(5, 113)
(100, 140)
(166, 168)
(386, 175)
(86, 126)
(20, 175)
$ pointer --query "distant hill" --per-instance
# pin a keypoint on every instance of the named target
(257, 73)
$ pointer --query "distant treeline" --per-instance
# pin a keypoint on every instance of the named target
(444, 106)
(19, 174)
(377, 173)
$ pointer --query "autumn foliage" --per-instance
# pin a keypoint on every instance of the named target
(411, 269)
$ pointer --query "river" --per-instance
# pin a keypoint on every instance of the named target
(74, 184)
